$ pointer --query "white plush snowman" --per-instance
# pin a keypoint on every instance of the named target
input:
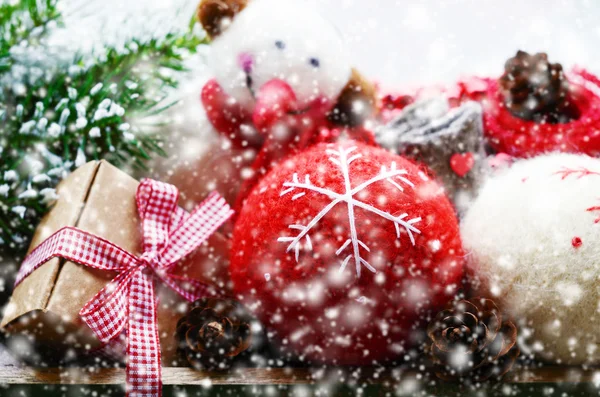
(256, 42)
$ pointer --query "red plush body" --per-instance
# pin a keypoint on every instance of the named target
(228, 116)
(522, 138)
(349, 316)
(278, 126)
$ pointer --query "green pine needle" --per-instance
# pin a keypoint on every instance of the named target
(87, 110)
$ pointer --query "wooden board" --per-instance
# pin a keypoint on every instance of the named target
(13, 375)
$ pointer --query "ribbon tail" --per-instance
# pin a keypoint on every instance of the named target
(197, 228)
(143, 346)
(106, 312)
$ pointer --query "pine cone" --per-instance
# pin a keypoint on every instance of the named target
(535, 89)
(213, 333)
(471, 339)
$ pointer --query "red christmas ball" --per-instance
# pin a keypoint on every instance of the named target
(343, 249)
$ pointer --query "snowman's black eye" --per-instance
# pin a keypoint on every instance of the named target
(280, 44)
(314, 62)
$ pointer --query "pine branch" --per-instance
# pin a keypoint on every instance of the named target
(25, 21)
(88, 110)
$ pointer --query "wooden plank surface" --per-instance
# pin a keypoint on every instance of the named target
(170, 376)
(13, 375)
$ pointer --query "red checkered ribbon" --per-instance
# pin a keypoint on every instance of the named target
(129, 302)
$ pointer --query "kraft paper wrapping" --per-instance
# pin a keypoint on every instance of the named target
(99, 199)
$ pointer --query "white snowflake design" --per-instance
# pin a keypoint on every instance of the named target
(343, 158)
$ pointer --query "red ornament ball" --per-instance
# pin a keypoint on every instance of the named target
(343, 249)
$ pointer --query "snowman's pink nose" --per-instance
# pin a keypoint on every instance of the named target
(246, 60)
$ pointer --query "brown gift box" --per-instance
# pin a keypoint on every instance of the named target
(99, 199)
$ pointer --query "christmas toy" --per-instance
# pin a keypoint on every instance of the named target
(535, 89)
(93, 274)
(535, 108)
(472, 341)
(282, 73)
(213, 333)
(288, 42)
(342, 249)
(449, 141)
(532, 237)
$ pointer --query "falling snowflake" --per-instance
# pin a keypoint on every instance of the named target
(343, 158)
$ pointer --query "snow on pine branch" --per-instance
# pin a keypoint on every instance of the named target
(110, 106)
(353, 246)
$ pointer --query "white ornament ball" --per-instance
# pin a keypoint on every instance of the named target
(533, 237)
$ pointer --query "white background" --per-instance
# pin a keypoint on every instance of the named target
(397, 42)
(401, 42)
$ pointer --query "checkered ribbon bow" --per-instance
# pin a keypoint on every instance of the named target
(129, 302)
